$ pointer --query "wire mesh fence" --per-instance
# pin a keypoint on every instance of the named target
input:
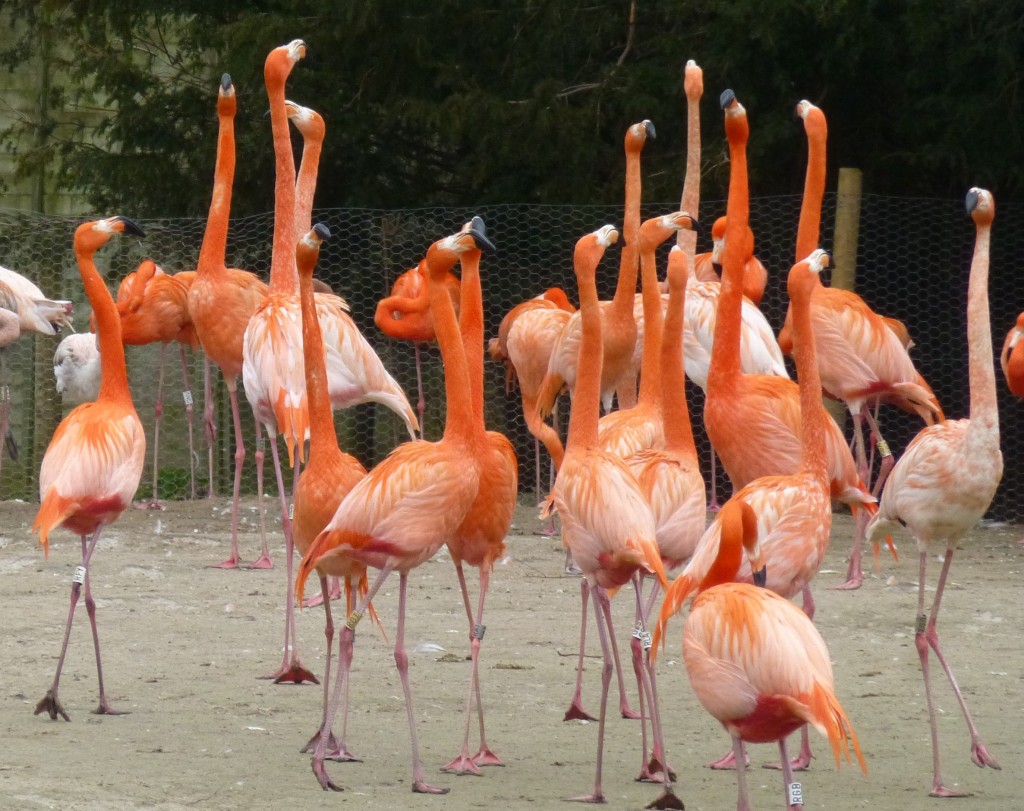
(913, 262)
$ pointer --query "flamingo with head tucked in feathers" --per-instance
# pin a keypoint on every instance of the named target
(93, 464)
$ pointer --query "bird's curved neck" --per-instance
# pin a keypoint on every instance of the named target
(471, 325)
(458, 404)
(215, 239)
(809, 230)
(727, 562)
(586, 404)
(984, 409)
(283, 276)
(321, 423)
(813, 453)
(113, 369)
(650, 361)
(305, 185)
(675, 414)
(629, 266)
(690, 202)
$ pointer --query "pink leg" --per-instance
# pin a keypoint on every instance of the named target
(232, 562)
(333, 592)
(624, 707)
(158, 411)
(5, 410)
(421, 405)
(50, 703)
(186, 395)
(888, 461)
(794, 791)
(928, 637)
(324, 729)
(739, 758)
(104, 707)
(263, 561)
(576, 711)
(209, 426)
(600, 601)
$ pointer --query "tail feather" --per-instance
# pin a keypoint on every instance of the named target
(830, 718)
(53, 510)
(672, 603)
(293, 423)
(550, 388)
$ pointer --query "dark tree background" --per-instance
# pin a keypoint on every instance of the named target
(468, 103)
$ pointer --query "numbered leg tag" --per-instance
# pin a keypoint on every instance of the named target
(261, 444)
(478, 631)
(291, 511)
(353, 620)
(646, 640)
(796, 794)
(79, 576)
(187, 397)
(922, 621)
(638, 630)
(883, 448)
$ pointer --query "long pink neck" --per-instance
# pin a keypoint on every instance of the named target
(813, 453)
(725, 354)
(809, 229)
(113, 369)
(283, 277)
(650, 362)
(981, 374)
(215, 239)
(471, 325)
(321, 424)
(305, 188)
(586, 403)
(675, 414)
(694, 86)
(629, 264)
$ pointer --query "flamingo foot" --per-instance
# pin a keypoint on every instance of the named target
(596, 798)
(419, 787)
(321, 776)
(294, 674)
(981, 758)
(577, 713)
(152, 504)
(264, 562)
(654, 772)
(485, 757)
(230, 563)
(801, 763)
(332, 742)
(628, 712)
(727, 762)
(852, 583)
(463, 764)
(104, 708)
(51, 706)
(573, 569)
(939, 790)
(342, 754)
(668, 799)
(714, 506)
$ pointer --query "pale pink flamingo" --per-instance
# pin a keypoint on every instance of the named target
(76, 368)
(408, 506)
(605, 521)
(93, 464)
(754, 660)
(945, 481)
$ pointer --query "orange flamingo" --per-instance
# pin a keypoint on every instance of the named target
(526, 338)
(619, 328)
(328, 476)
(406, 316)
(707, 266)
(631, 430)
(754, 660)
(404, 509)
(93, 464)
(863, 360)
(1012, 358)
(480, 539)
(221, 301)
(946, 478)
(605, 521)
(753, 421)
(153, 307)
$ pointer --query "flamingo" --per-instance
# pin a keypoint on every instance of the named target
(605, 521)
(754, 421)
(526, 337)
(863, 360)
(93, 464)
(619, 325)
(480, 539)
(754, 660)
(707, 266)
(76, 367)
(406, 316)
(221, 301)
(153, 307)
(1011, 359)
(329, 473)
(403, 510)
(946, 478)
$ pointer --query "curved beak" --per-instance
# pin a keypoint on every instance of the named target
(478, 231)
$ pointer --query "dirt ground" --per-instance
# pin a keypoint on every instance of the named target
(183, 646)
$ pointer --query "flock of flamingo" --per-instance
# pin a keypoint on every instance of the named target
(628, 489)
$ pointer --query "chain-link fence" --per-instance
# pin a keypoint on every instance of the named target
(913, 261)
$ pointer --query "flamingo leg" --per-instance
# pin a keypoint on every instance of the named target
(888, 461)
(794, 792)
(186, 395)
(636, 654)
(5, 412)
(209, 426)
(739, 757)
(104, 707)
(50, 704)
(925, 638)
(232, 562)
(158, 414)
(855, 571)
(600, 601)
(576, 711)
(624, 707)
(263, 562)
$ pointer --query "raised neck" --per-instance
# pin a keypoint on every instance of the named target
(984, 409)
(313, 130)
(471, 325)
(725, 353)
(809, 229)
(675, 414)
(321, 424)
(693, 86)
(283, 276)
(629, 264)
(213, 251)
(801, 283)
(652, 234)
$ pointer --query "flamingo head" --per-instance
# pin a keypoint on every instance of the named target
(92, 235)
(813, 118)
(443, 254)
(282, 59)
(736, 126)
(657, 229)
(693, 81)
(308, 250)
(637, 135)
(226, 102)
(677, 270)
(980, 205)
(803, 276)
(307, 121)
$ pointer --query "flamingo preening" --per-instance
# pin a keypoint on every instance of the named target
(93, 464)
(945, 480)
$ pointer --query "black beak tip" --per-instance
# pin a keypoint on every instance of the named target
(132, 227)
(971, 202)
(479, 232)
(225, 82)
(697, 227)
(761, 577)
(727, 98)
(649, 126)
(322, 231)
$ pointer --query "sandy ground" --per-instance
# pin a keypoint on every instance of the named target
(183, 646)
